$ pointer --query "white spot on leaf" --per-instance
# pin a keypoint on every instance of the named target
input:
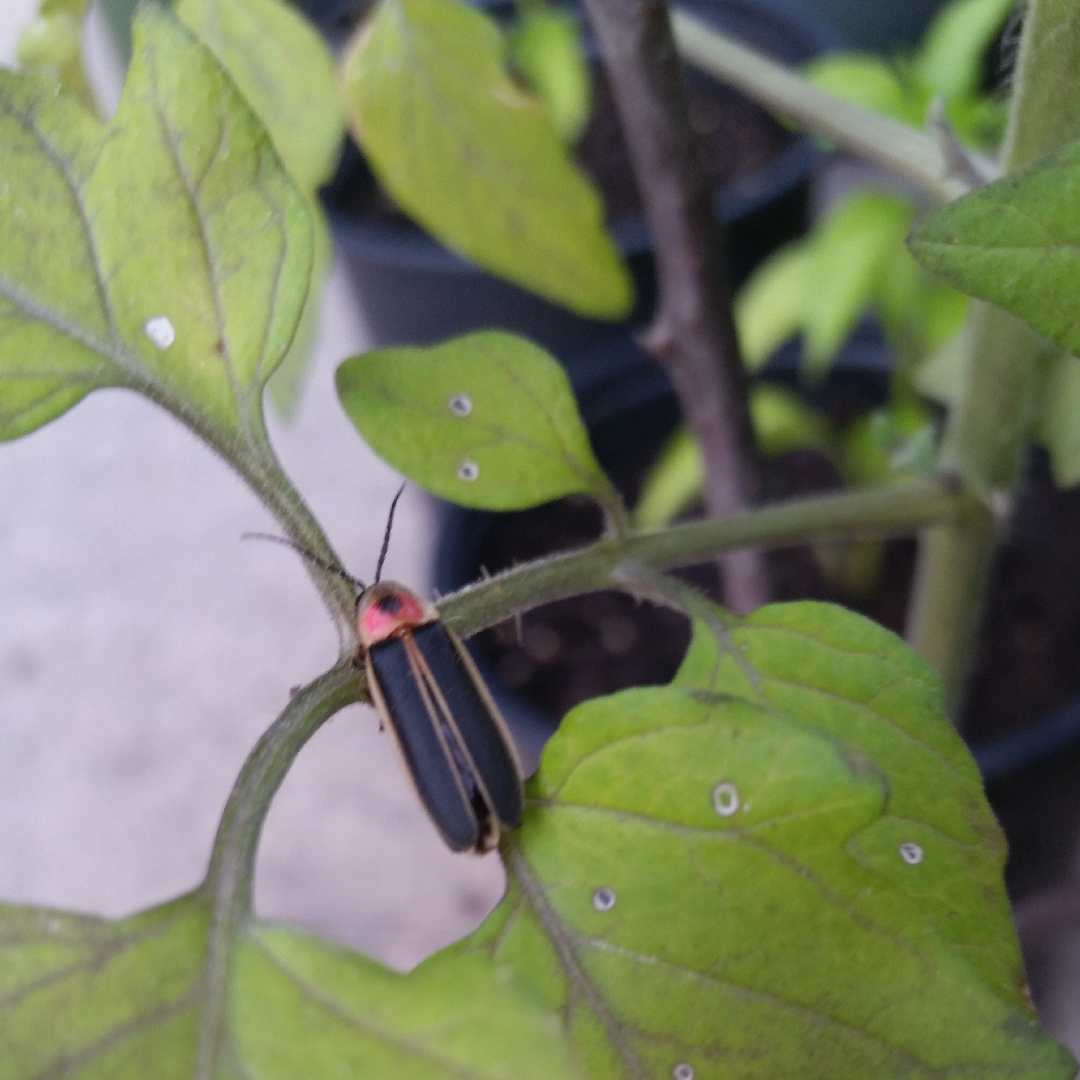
(603, 899)
(468, 471)
(911, 853)
(725, 799)
(160, 331)
(683, 1071)
(459, 404)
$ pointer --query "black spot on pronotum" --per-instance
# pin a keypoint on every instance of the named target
(391, 604)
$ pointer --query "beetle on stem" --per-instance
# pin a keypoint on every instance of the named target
(446, 727)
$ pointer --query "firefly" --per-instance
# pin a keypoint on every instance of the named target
(448, 732)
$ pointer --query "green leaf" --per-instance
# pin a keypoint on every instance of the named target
(546, 49)
(284, 69)
(1016, 243)
(896, 443)
(85, 998)
(951, 55)
(286, 387)
(486, 420)
(783, 422)
(713, 874)
(979, 122)
(52, 42)
(286, 73)
(303, 1007)
(1059, 424)
(473, 158)
(676, 481)
(822, 285)
(75, 9)
(941, 376)
(852, 247)
(673, 484)
(166, 251)
(770, 307)
(864, 80)
(849, 679)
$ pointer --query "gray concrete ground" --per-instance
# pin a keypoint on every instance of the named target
(143, 649)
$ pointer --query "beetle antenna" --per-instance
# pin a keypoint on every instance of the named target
(321, 563)
(386, 535)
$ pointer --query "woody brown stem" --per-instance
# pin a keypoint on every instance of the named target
(692, 334)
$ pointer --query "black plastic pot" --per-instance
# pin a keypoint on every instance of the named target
(415, 291)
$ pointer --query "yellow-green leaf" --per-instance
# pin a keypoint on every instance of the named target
(676, 481)
(284, 69)
(852, 248)
(88, 999)
(473, 158)
(53, 42)
(546, 49)
(84, 998)
(486, 420)
(166, 251)
(864, 80)
(951, 55)
(286, 387)
(1059, 425)
(771, 306)
(306, 1009)
(1016, 243)
(783, 865)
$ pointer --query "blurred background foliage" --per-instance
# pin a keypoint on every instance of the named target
(852, 266)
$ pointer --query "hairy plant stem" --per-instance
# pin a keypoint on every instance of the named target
(871, 512)
(990, 425)
(692, 333)
(228, 882)
(262, 470)
(908, 152)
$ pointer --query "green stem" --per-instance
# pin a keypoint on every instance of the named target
(875, 511)
(905, 150)
(990, 425)
(229, 879)
(946, 600)
(1045, 110)
(285, 503)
